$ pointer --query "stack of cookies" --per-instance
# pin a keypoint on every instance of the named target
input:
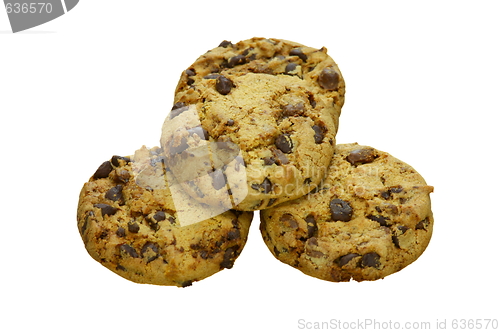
(252, 128)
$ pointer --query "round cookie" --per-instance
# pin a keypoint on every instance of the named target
(371, 217)
(278, 101)
(129, 223)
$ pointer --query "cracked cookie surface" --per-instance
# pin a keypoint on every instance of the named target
(279, 102)
(128, 223)
(371, 217)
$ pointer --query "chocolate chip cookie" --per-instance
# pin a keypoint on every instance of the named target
(371, 217)
(278, 102)
(130, 223)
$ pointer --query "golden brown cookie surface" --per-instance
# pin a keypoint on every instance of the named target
(129, 223)
(371, 217)
(278, 101)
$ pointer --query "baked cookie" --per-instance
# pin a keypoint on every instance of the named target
(129, 222)
(371, 217)
(277, 101)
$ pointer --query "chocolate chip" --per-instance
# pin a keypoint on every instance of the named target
(312, 227)
(200, 131)
(177, 109)
(400, 231)
(218, 179)
(371, 259)
(290, 110)
(279, 157)
(312, 101)
(382, 220)
(159, 216)
(233, 234)
(114, 193)
(115, 160)
(86, 222)
(341, 210)
(290, 67)
(362, 156)
(329, 79)
(236, 60)
(190, 72)
(129, 250)
(152, 224)
(396, 189)
(318, 134)
(422, 225)
(103, 171)
(133, 227)
(183, 145)
(147, 249)
(271, 202)
(120, 232)
(212, 76)
(284, 143)
(344, 260)
(298, 52)
(204, 254)
(106, 209)
(229, 257)
(223, 85)
(269, 160)
(230, 122)
(265, 187)
(289, 221)
(225, 43)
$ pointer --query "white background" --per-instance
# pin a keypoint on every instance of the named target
(423, 83)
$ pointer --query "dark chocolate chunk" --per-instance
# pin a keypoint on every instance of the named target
(114, 193)
(362, 156)
(106, 209)
(284, 143)
(269, 160)
(177, 109)
(218, 179)
(422, 225)
(371, 259)
(290, 67)
(345, 259)
(289, 221)
(190, 72)
(265, 187)
(229, 256)
(290, 110)
(400, 231)
(329, 79)
(396, 189)
(159, 216)
(200, 131)
(233, 234)
(150, 251)
(115, 160)
(225, 43)
(298, 52)
(187, 283)
(204, 254)
(279, 157)
(120, 232)
(183, 145)
(319, 134)
(312, 227)
(129, 250)
(223, 85)
(382, 220)
(103, 171)
(341, 210)
(133, 227)
(236, 60)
